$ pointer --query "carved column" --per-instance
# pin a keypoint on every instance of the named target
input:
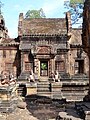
(89, 74)
(21, 62)
(50, 67)
(89, 68)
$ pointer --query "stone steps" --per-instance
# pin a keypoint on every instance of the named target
(56, 90)
(73, 94)
(56, 95)
(52, 90)
(44, 93)
(8, 106)
(43, 88)
(8, 99)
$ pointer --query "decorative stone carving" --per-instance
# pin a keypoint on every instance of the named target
(43, 50)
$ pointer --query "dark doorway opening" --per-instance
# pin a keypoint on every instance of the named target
(22, 90)
(79, 66)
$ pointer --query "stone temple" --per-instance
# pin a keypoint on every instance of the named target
(46, 58)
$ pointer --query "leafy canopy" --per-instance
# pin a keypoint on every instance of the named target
(75, 7)
(76, 1)
(35, 14)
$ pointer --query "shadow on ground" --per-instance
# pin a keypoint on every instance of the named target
(45, 108)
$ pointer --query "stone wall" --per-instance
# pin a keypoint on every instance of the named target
(9, 60)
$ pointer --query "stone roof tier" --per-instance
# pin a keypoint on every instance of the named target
(41, 26)
(9, 42)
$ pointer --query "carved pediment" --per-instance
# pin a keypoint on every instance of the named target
(43, 50)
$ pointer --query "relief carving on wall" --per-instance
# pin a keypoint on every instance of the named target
(43, 50)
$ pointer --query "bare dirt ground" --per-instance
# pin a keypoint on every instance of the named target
(39, 108)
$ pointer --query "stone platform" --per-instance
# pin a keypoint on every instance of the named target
(74, 90)
(69, 90)
(8, 99)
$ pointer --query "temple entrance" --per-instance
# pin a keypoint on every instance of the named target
(43, 68)
(79, 66)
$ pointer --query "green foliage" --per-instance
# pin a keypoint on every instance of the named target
(76, 1)
(76, 4)
(35, 14)
(75, 7)
(43, 66)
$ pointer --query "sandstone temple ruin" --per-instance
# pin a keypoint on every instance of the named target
(44, 47)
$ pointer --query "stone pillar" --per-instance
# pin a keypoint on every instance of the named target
(88, 53)
(53, 65)
(89, 74)
(66, 63)
(50, 67)
(21, 61)
(87, 98)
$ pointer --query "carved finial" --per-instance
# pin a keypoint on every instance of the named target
(1, 4)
